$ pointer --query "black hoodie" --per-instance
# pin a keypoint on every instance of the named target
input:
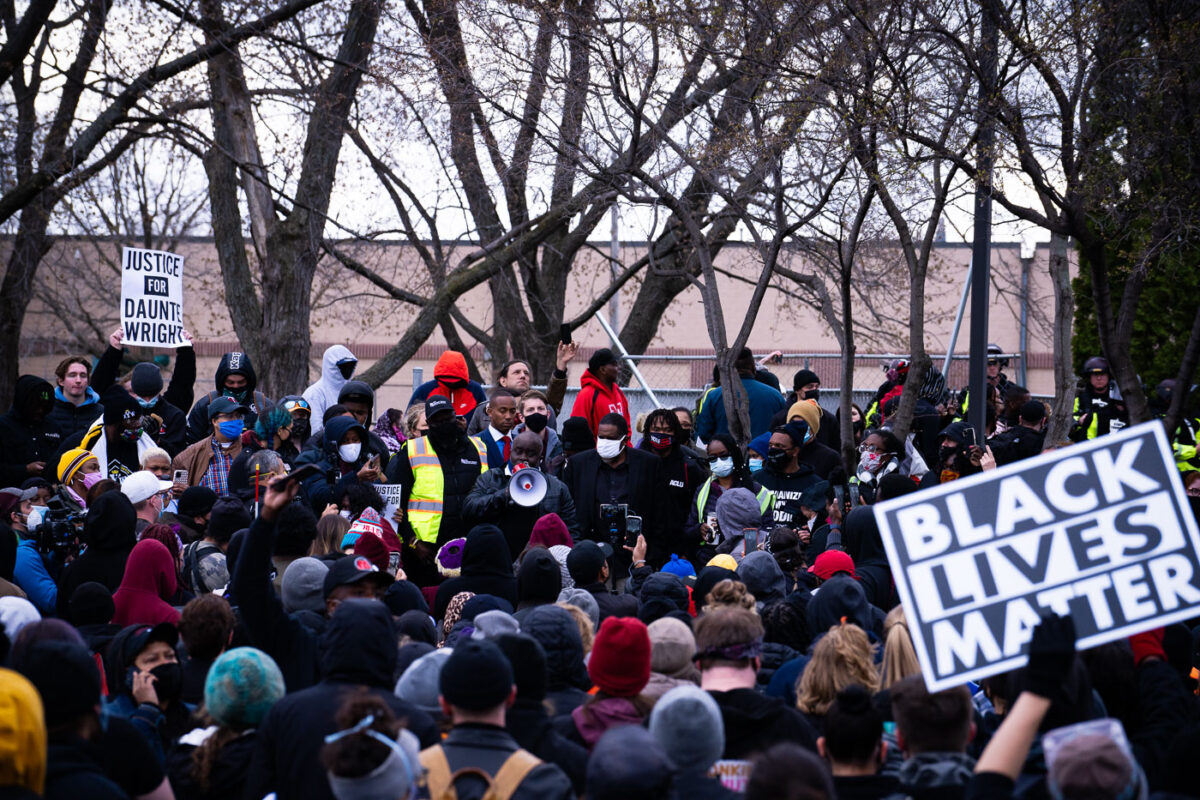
(864, 544)
(486, 569)
(358, 649)
(24, 440)
(754, 723)
(198, 426)
(110, 533)
(567, 680)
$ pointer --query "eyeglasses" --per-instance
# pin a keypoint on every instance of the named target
(869, 448)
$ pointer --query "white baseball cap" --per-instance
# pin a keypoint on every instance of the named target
(142, 486)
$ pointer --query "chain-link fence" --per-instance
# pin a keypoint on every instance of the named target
(680, 380)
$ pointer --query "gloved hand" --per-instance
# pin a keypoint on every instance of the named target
(1051, 655)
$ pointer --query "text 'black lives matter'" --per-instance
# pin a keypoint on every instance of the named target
(1100, 531)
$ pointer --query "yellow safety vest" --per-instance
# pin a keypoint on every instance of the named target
(425, 500)
(765, 498)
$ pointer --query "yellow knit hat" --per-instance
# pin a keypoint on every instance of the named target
(23, 754)
(809, 411)
(723, 560)
(71, 462)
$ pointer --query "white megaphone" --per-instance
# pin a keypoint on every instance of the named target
(527, 487)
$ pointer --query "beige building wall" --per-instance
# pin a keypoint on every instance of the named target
(349, 310)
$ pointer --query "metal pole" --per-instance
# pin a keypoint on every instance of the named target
(614, 259)
(418, 377)
(982, 246)
(625, 354)
(1026, 265)
(962, 307)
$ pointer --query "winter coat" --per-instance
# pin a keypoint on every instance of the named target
(358, 649)
(822, 459)
(590, 721)
(787, 488)
(23, 440)
(284, 638)
(681, 476)
(754, 723)
(466, 394)
(323, 393)
(198, 425)
(864, 544)
(567, 680)
(71, 419)
(829, 432)
(110, 534)
(73, 771)
(486, 569)
(198, 457)
(595, 400)
(150, 580)
(531, 727)
(328, 486)
(765, 403)
(1017, 443)
(643, 484)
(489, 502)
(936, 775)
(487, 747)
(460, 467)
(172, 436)
(228, 772)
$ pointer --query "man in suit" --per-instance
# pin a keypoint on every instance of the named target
(501, 410)
(616, 474)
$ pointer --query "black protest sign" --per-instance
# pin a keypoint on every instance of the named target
(1101, 531)
(151, 298)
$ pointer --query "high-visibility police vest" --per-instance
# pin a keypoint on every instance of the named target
(425, 500)
(765, 498)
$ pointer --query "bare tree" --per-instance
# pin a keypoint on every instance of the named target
(68, 117)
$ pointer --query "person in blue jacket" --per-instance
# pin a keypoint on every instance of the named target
(765, 403)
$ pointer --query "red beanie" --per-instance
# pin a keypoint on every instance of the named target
(374, 549)
(620, 661)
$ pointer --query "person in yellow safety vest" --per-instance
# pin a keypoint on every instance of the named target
(1183, 439)
(1098, 405)
(435, 473)
(728, 470)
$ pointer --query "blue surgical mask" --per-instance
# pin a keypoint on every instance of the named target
(756, 464)
(147, 404)
(232, 428)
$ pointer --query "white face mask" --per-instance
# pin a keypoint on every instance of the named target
(608, 449)
(36, 515)
(349, 452)
(722, 467)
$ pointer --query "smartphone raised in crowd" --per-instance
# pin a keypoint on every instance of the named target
(633, 529)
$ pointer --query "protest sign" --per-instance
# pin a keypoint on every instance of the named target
(1101, 531)
(151, 298)
(390, 492)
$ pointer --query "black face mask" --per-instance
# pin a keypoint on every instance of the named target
(444, 434)
(347, 368)
(812, 394)
(301, 429)
(778, 460)
(168, 682)
(536, 422)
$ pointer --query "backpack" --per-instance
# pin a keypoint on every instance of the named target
(193, 554)
(501, 786)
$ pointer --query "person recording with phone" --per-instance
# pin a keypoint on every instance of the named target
(344, 458)
(493, 498)
(959, 455)
(612, 481)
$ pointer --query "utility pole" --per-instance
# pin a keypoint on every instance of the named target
(981, 251)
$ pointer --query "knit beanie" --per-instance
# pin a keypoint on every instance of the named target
(118, 406)
(687, 722)
(576, 436)
(808, 411)
(584, 601)
(528, 661)
(303, 587)
(417, 626)
(146, 380)
(450, 557)
(628, 763)
(24, 761)
(419, 684)
(620, 661)
(91, 604)
(70, 462)
(373, 549)
(495, 623)
(550, 530)
(723, 560)
(679, 566)
(803, 378)
(672, 646)
(560, 553)
(15, 614)
(476, 676)
(229, 515)
(404, 596)
(196, 501)
(242, 685)
(65, 675)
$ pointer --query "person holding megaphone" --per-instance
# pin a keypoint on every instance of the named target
(517, 496)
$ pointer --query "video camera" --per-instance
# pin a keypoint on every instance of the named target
(60, 528)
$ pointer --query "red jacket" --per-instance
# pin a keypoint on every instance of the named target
(595, 400)
(149, 581)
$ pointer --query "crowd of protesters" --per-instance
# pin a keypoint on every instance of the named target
(234, 596)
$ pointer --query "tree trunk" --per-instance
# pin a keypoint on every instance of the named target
(1183, 383)
(1064, 317)
(846, 398)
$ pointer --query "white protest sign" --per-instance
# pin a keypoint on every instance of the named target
(151, 298)
(390, 492)
(1101, 531)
